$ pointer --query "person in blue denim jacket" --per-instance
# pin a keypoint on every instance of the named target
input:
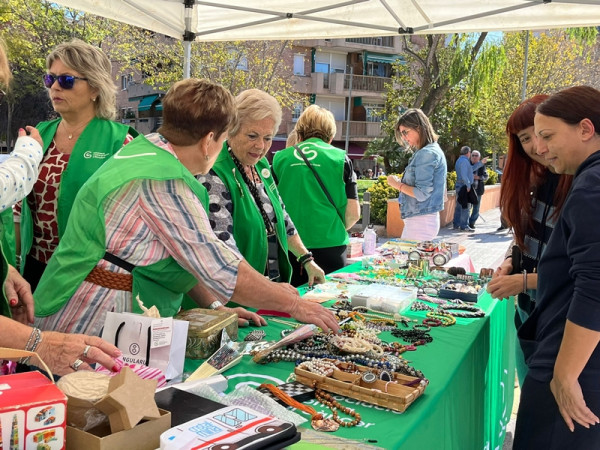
(423, 185)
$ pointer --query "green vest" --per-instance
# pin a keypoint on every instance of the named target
(248, 225)
(7, 236)
(4, 307)
(99, 141)
(84, 242)
(319, 224)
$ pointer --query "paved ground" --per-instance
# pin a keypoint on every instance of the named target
(486, 246)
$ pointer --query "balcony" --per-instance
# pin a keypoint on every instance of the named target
(339, 84)
(359, 131)
(388, 44)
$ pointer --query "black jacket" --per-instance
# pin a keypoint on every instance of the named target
(464, 198)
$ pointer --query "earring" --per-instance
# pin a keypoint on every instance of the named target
(94, 99)
(206, 157)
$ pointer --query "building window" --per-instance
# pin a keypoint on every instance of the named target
(374, 112)
(297, 111)
(123, 82)
(299, 64)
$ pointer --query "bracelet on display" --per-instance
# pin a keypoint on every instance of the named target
(307, 257)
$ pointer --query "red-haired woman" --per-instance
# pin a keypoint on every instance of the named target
(530, 209)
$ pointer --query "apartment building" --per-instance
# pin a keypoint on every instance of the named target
(346, 76)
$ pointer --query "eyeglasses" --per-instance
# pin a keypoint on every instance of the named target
(64, 81)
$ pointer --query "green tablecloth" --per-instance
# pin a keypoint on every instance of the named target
(467, 404)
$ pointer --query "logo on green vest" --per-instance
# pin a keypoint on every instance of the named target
(95, 155)
(310, 154)
(266, 173)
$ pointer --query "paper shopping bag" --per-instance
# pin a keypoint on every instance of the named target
(153, 342)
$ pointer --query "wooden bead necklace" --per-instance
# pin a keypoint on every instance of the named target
(317, 421)
(328, 401)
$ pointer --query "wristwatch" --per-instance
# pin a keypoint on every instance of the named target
(216, 304)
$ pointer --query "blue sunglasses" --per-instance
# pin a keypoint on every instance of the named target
(64, 81)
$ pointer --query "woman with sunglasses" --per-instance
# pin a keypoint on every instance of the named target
(246, 209)
(83, 93)
(61, 352)
(423, 185)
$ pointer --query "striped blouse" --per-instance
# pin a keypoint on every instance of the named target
(146, 221)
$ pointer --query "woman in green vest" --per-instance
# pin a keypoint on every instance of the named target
(140, 228)
(82, 90)
(60, 351)
(246, 210)
(332, 207)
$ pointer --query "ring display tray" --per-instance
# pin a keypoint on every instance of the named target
(402, 391)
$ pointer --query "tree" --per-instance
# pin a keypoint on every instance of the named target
(557, 59)
(33, 29)
(434, 76)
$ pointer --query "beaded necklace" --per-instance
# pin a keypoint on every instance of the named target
(253, 190)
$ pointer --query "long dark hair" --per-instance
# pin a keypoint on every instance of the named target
(515, 196)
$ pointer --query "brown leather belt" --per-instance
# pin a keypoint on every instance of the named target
(110, 280)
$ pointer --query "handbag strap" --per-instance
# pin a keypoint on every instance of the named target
(309, 165)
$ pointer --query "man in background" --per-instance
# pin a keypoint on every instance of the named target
(463, 187)
(480, 176)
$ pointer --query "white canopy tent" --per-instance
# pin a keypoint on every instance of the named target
(303, 19)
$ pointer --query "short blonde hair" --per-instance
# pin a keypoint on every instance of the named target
(292, 138)
(254, 105)
(5, 75)
(316, 122)
(193, 107)
(93, 64)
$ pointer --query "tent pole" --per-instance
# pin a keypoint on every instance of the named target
(187, 56)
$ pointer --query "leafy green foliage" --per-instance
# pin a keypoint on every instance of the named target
(451, 181)
(493, 176)
(380, 192)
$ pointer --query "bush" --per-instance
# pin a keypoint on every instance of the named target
(493, 176)
(380, 192)
(451, 181)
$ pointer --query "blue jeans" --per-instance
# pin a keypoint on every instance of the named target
(474, 214)
(461, 216)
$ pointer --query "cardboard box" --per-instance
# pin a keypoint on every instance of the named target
(144, 436)
(32, 412)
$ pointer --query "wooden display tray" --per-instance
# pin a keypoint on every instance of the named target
(398, 396)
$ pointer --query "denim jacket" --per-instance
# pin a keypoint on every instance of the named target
(426, 172)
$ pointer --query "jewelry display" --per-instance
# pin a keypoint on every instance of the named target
(369, 377)
(472, 311)
(318, 422)
(255, 335)
(432, 322)
(327, 400)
